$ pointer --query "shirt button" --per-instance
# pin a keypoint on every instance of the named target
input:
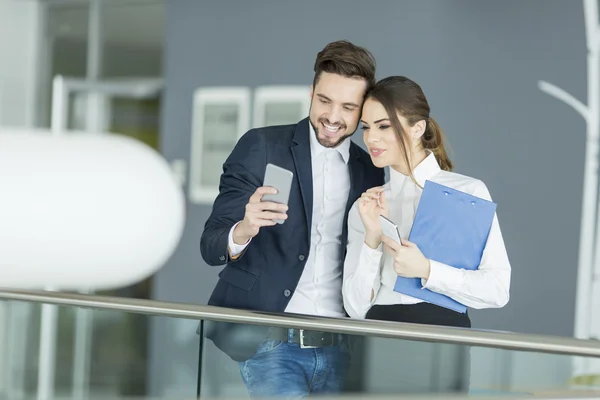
(301, 257)
(222, 258)
(287, 293)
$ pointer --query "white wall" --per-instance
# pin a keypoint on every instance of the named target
(20, 27)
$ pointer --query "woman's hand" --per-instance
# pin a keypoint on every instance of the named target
(371, 205)
(409, 262)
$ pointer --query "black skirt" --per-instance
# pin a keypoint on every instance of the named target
(420, 313)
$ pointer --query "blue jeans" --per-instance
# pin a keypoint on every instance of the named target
(285, 369)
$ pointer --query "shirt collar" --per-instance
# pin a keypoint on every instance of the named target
(317, 148)
(428, 168)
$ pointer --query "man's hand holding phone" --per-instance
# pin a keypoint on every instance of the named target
(258, 214)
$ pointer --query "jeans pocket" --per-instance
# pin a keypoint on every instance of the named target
(267, 346)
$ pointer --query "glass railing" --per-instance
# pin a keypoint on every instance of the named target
(387, 366)
(118, 348)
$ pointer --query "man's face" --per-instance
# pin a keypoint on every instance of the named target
(335, 107)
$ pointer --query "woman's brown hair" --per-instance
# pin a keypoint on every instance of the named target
(400, 95)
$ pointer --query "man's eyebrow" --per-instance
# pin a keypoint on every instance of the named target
(346, 104)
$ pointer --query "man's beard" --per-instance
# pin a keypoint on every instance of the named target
(326, 143)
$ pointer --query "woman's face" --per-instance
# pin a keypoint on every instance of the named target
(379, 135)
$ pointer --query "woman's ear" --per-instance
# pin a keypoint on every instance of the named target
(418, 129)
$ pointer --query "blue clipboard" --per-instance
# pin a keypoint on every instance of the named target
(450, 227)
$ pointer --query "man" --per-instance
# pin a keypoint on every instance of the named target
(295, 267)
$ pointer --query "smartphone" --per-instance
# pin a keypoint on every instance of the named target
(280, 179)
(390, 229)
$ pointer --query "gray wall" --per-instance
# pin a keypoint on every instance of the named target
(477, 61)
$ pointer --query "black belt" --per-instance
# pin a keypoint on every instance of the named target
(306, 339)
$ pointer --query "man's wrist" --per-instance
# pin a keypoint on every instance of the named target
(238, 237)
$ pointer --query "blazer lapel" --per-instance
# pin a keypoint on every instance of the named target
(356, 177)
(356, 187)
(302, 160)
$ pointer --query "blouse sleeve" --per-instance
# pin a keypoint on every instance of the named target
(362, 269)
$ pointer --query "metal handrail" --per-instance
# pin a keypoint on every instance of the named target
(406, 331)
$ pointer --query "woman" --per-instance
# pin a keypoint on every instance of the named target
(400, 133)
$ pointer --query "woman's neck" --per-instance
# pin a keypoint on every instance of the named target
(417, 158)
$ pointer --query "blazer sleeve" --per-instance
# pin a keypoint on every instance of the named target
(243, 172)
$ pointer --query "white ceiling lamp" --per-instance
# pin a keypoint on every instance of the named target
(84, 212)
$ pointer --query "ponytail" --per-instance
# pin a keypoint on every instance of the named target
(433, 139)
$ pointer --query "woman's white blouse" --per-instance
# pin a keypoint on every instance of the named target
(368, 271)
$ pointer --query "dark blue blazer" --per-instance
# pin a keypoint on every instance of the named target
(266, 274)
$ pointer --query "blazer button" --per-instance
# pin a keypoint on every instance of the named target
(301, 257)
(222, 258)
(287, 293)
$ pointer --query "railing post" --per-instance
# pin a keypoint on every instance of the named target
(200, 354)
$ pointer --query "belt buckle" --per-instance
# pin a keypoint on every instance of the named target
(302, 346)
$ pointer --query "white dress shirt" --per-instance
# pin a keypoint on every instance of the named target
(368, 270)
(319, 291)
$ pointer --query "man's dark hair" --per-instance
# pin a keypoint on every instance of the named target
(345, 59)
